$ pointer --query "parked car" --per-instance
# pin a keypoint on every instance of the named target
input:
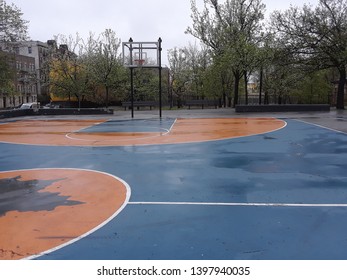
(33, 105)
(51, 106)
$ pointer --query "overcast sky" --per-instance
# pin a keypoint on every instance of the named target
(143, 20)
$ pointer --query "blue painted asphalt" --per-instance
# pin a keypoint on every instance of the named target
(300, 164)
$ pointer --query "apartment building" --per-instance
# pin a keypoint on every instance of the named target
(40, 52)
(28, 61)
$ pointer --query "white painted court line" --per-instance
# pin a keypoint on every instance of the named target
(321, 126)
(155, 134)
(161, 132)
(67, 135)
(173, 124)
(239, 204)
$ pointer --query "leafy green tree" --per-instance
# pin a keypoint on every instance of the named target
(179, 73)
(13, 27)
(103, 60)
(317, 37)
(314, 88)
(229, 29)
(197, 60)
(281, 77)
(267, 61)
(218, 81)
(146, 84)
(6, 73)
(69, 77)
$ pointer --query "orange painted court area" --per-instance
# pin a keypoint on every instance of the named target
(69, 132)
(54, 220)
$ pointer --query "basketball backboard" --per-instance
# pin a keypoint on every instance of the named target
(141, 54)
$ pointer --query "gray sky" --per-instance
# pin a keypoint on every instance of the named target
(143, 20)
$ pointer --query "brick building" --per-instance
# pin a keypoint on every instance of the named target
(27, 60)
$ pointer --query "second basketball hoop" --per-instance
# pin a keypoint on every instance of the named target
(141, 54)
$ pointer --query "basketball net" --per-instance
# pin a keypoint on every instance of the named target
(139, 62)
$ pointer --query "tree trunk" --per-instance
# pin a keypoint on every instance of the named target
(224, 93)
(224, 97)
(246, 86)
(236, 88)
(179, 99)
(340, 103)
(266, 98)
(107, 92)
(260, 84)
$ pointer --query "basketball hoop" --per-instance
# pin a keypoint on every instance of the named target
(142, 55)
(139, 62)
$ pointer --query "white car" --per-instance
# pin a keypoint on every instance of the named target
(33, 105)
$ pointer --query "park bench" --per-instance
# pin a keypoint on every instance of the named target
(203, 103)
(138, 104)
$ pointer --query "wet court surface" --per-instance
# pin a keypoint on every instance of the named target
(159, 191)
(132, 132)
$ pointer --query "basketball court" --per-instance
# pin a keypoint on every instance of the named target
(206, 184)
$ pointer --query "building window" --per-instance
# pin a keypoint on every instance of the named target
(30, 50)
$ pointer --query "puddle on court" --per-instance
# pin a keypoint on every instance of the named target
(29, 195)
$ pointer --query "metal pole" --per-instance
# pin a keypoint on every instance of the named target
(132, 90)
(160, 101)
(131, 77)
